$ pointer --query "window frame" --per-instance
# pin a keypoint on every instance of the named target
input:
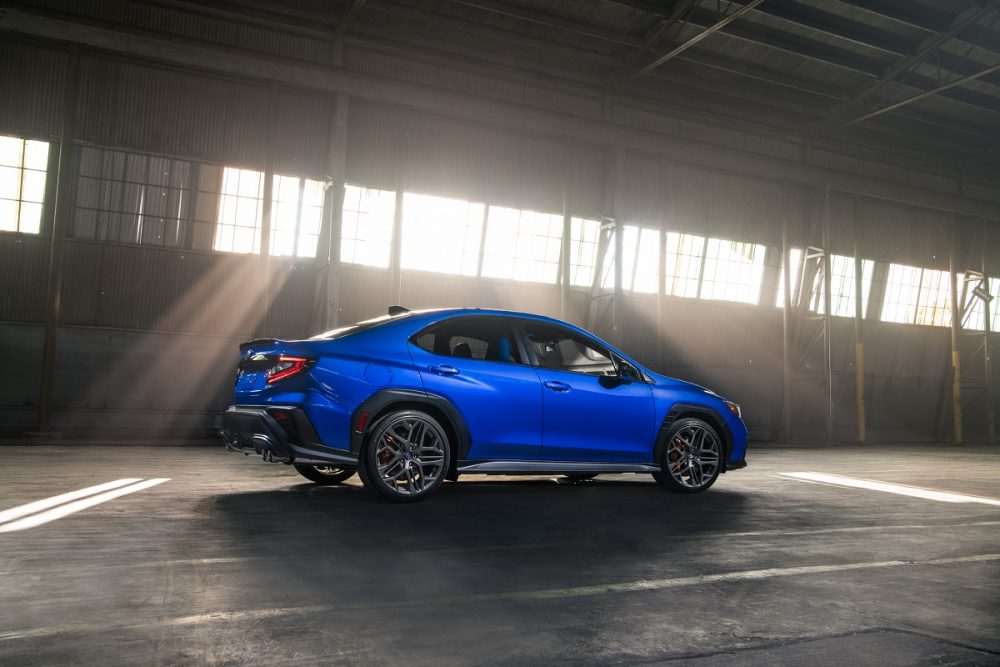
(487, 319)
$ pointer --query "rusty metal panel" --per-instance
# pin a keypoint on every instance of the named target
(24, 264)
(31, 85)
(159, 110)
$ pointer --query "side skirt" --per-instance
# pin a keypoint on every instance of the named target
(549, 467)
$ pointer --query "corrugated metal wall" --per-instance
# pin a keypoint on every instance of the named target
(124, 305)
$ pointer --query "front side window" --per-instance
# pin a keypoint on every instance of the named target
(561, 349)
(22, 184)
(481, 338)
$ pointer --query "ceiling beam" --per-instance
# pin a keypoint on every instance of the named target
(842, 113)
(692, 41)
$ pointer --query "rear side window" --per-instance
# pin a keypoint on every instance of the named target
(564, 350)
(482, 338)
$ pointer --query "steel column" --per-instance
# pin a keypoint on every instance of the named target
(618, 304)
(565, 247)
(786, 322)
(859, 335)
(988, 338)
(827, 316)
(956, 361)
(61, 216)
(329, 304)
(270, 148)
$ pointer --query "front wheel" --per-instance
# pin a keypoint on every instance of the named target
(691, 458)
(325, 475)
(407, 456)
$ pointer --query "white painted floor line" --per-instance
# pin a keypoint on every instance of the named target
(246, 615)
(73, 507)
(46, 503)
(886, 487)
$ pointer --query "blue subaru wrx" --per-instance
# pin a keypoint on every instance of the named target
(411, 399)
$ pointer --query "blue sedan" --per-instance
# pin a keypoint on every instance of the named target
(411, 399)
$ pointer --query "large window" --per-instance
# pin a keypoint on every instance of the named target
(640, 255)
(296, 216)
(841, 282)
(241, 204)
(683, 264)
(22, 184)
(366, 227)
(523, 245)
(132, 198)
(917, 296)
(441, 234)
(296, 213)
(734, 271)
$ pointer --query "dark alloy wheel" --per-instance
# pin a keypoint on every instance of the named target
(406, 457)
(691, 458)
(325, 475)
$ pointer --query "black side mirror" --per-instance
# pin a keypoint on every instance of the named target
(626, 373)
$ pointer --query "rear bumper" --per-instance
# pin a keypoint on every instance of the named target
(252, 429)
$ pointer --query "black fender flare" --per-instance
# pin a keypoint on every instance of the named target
(378, 403)
(679, 410)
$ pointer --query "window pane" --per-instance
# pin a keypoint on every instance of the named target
(240, 211)
(902, 290)
(523, 245)
(366, 226)
(934, 307)
(734, 271)
(441, 234)
(131, 198)
(482, 338)
(584, 235)
(22, 184)
(974, 307)
(683, 263)
(561, 349)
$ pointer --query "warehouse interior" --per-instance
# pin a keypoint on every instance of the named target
(792, 202)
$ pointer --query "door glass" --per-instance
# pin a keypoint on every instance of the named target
(564, 350)
(482, 338)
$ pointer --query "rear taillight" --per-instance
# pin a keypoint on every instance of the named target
(286, 367)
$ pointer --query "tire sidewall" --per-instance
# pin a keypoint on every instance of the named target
(369, 466)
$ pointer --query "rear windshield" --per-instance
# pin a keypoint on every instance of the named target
(357, 328)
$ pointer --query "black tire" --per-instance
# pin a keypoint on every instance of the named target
(579, 476)
(691, 458)
(325, 475)
(406, 457)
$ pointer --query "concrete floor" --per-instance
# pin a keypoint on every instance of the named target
(234, 561)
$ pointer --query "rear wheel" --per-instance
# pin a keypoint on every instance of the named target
(325, 474)
(407, 456)
(691, 458)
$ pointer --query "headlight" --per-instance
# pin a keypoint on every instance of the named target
(735, 408)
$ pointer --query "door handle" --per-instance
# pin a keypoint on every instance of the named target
(556, 385)
(444, 369)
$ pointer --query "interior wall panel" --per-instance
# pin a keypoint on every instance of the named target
(31, 84)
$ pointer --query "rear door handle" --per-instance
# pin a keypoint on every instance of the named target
(556, 385)
(444, 369)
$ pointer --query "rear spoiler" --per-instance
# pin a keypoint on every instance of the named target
(256, 341)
